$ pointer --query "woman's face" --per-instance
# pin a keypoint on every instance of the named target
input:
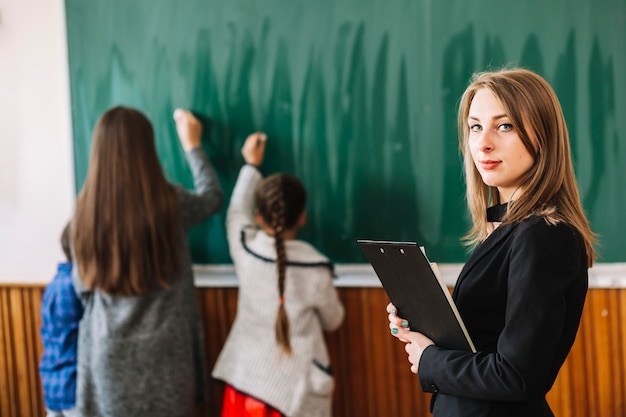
(497, 150)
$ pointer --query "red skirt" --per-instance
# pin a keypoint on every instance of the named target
(238, 404)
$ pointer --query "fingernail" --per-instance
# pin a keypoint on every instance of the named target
(394, 330)
(393, 311)
(405, 323)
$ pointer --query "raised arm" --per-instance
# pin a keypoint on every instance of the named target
(207, 197)
(241, 207)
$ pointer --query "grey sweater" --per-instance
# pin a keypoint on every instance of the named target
(144, 355)
(251, 360)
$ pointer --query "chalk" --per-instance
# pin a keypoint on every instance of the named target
(178, 113)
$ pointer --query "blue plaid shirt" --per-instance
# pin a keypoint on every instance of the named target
(61, 311)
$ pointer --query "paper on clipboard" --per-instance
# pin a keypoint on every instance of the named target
(415, 287)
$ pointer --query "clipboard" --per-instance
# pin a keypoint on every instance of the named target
(419, 293)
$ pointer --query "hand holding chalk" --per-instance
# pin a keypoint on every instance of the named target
(253, 149)
(189, 129)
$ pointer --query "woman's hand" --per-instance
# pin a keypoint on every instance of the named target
(416, 342)
(253, 149)
(189, 129)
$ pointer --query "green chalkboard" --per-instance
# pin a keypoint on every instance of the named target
(358, 98)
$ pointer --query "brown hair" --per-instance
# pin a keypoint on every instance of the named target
(126, 220)
(549, 187)
(280, 200)
(65, 242)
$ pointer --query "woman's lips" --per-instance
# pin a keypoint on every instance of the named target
(488, 165)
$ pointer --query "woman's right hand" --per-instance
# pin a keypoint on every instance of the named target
(398, 326)
(416, 342)
(253, 149)
(189, 129)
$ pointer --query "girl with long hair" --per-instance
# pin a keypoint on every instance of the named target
(140, 344)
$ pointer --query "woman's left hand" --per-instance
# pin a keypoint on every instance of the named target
(415, 346)
(416, 342)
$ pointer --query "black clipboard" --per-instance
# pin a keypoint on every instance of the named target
(419, 294)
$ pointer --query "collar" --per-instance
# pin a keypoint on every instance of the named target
(496, 213)
(263, 235)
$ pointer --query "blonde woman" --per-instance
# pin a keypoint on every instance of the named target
(521, 293)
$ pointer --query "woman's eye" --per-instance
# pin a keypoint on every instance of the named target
(506, 127)
(475, 128)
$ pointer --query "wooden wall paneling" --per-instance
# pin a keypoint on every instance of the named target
(586, 329)
(7, 379)
(36, 298)
(600, 351)
(617, 351)
(621, 352)
(32, 321)
(364, 338)
(348, 357)
(376, 339)
(20, 340)
(350, 366)
(589, 346)
(609, 361)
(580, 371)
(371, 367)
(21, 387)
(367, 338)
(338, 349)
(559, 398)
(218, 307)
(573, 392)
(563, 398)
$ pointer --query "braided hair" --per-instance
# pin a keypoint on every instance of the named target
(280, 200)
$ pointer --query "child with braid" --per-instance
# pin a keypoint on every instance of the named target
(275, 361)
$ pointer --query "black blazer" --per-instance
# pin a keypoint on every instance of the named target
(521, 295)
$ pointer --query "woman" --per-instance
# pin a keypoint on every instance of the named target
(140, 340)
(521, 293)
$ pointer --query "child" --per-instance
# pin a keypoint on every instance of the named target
(275, 359)
(140, 344)
(61, 311)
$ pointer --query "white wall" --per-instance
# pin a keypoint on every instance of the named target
(36, 164)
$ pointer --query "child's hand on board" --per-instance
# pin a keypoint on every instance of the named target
(189, 129)
(253, 149)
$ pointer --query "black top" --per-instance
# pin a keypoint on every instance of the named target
(521, 296)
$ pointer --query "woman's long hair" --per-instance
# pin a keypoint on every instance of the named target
(126, 221)
(549, 187)
(281, 199)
